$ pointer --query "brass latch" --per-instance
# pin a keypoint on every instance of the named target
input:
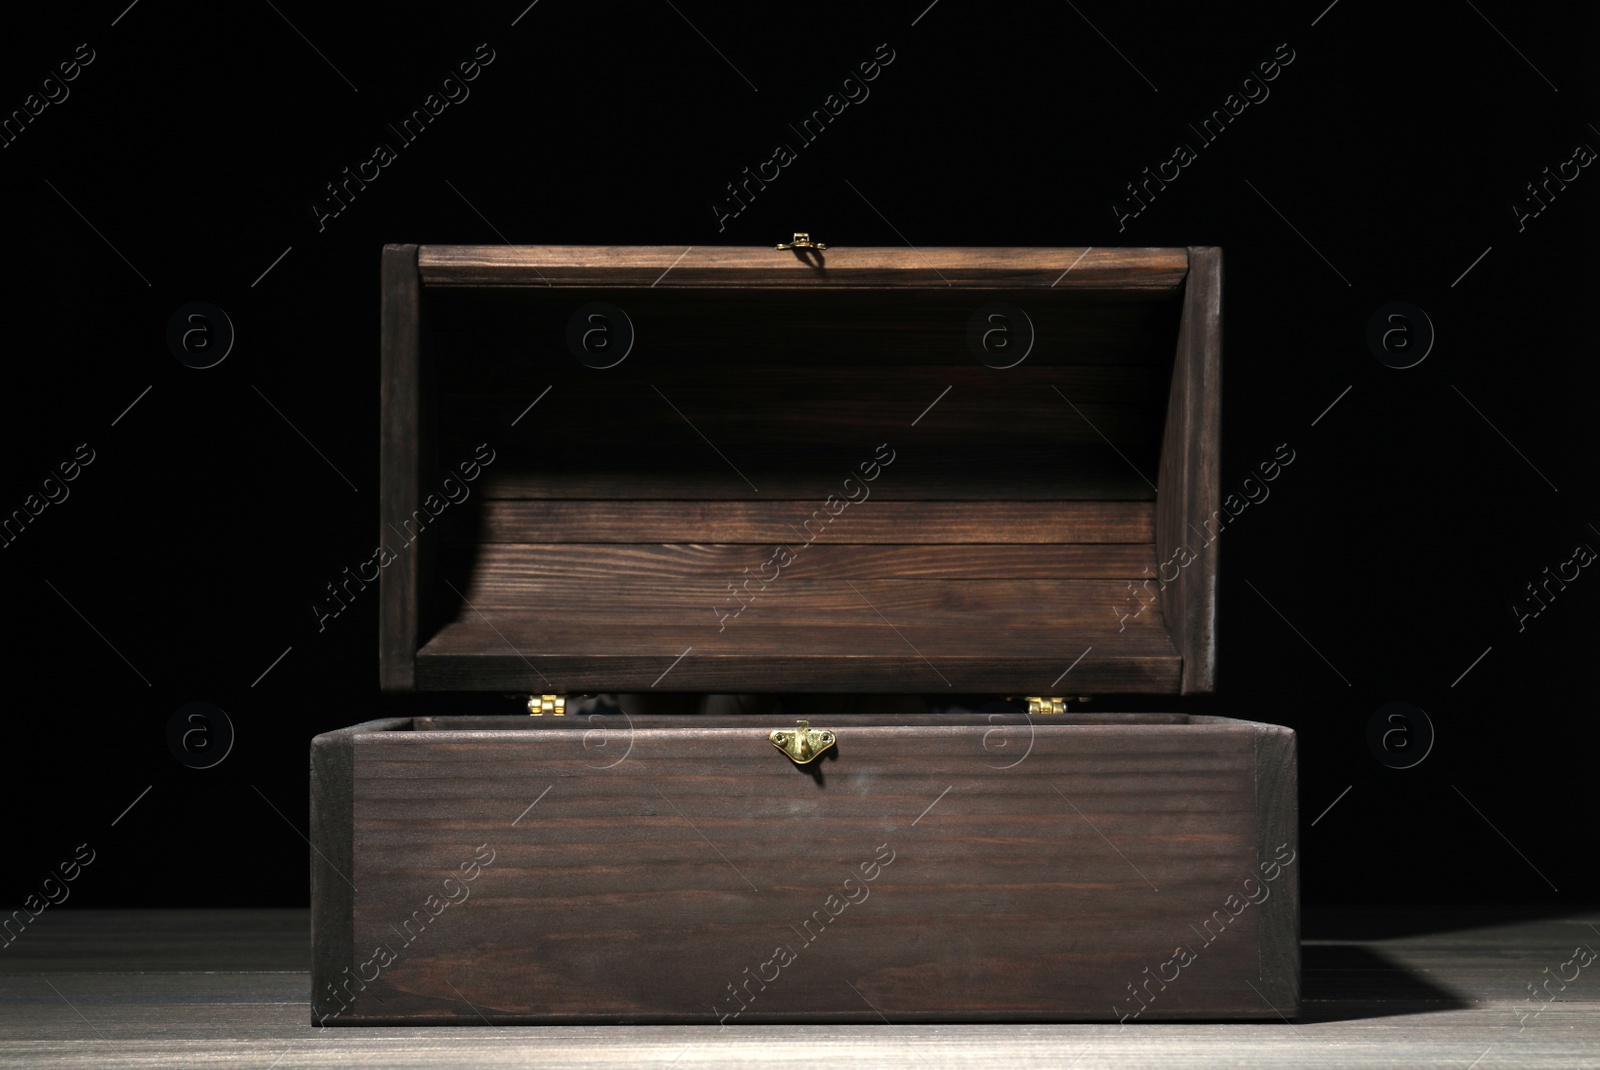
(539, 705)
(805, 744)
(802, 240)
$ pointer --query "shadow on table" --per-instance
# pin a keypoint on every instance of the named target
(1344, 982)
(1366, 923)
(1361, 961)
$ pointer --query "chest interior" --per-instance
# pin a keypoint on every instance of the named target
(800, 487)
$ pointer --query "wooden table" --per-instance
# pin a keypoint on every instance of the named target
(1438, 987)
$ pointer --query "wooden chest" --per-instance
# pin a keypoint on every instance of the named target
(957, 473)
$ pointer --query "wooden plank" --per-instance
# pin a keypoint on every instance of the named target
(1098, 476)
(673, 267)
(1190, 485)
(1388, 987)
(993, 654)
(1277, 830)
(993, 892)
(570, 464)
(402, 446)
(246, 1021)
(597, 669)
(1084, 606)
(796, 523)
(757, 634)
(333, 894)
(503, 573)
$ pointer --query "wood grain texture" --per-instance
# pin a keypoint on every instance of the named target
(149, 941)
(531, 634)
(639, 869)
(744, 266)
(922, 604)
(1387, 988)
(564, 652)
(796, 523)
(402, 460)
(1278, 826)
(756, 384)
(498, 574)
(332, 850)
(1189, 494)
(332, 897)
(566, 465)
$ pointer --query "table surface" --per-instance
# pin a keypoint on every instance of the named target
(1404, 987)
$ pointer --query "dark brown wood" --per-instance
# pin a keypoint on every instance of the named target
(818, 635)
(996, 469)
(643, 868)
(805, 647)
(922, 605)
(635, 868)
(745, 266)
(795, 523)
(333, 894)
(402, 456)
(499, 575)
(1278, 824)
(1190, 497)
(783, 379)
(996, 655)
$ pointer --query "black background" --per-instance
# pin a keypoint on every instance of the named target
(184, 560)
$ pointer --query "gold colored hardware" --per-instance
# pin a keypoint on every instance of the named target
(805, 744)
(539, 705)
(802, 240)
(1042, 705)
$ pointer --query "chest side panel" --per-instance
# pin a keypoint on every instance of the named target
(1014, 870)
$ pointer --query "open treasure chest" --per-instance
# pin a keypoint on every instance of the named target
(827, 477)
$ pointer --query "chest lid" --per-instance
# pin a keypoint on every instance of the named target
(752, 470)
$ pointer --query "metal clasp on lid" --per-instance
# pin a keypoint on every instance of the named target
(801, 240)
(805, 744)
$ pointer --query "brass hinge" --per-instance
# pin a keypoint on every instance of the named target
(1041, 704)
(539, 705)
